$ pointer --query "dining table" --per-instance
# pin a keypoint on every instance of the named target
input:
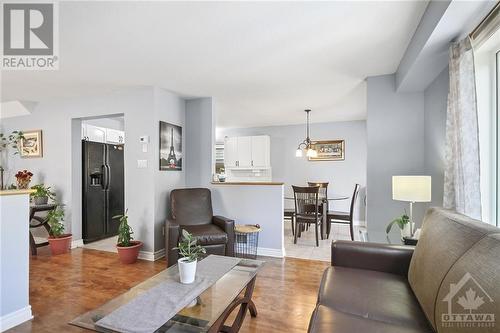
(334, 197)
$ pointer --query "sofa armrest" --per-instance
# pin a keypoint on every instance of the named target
(172, 233)
(387, 258)
(228, 226)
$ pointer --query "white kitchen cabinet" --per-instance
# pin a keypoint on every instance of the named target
(261, 151)
(115, 136)
(247, 152)
(244, 151)
(95, 134)
(230, 152)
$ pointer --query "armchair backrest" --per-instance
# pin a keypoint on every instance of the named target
(191, 206)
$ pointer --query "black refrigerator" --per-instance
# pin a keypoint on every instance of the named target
(103, 189)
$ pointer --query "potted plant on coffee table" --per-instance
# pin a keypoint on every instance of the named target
(59, 241)
(42, 194)
(128, 249)
(190, 251)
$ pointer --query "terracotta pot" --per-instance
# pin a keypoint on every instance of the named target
(60, 245)
(129, 254)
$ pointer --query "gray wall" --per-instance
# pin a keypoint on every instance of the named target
(60, 167)
(436, 96)
(395, 136)
(200, 134)
(117, 123)
(342, 175)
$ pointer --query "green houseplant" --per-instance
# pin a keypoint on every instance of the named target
(42, 194)
(128, 249)
(59, 241)
(190, 252)
(403, 222)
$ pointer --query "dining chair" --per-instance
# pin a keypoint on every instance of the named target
(306, 209)
(343, 217)
(289, 214)
(323, 194)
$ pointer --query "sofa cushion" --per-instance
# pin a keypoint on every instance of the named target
(473, 282)
(191, 206)
(445, 237)
(328, 320)
(378, 296)
(207, 234)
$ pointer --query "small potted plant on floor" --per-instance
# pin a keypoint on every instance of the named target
(59, 241)
(128, 249)
(42, 194)
(190, 252)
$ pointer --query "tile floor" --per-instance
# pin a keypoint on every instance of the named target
(306, 245)
(107, 244)
(304, 249)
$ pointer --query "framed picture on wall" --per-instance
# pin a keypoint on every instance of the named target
(331, 150)
(32, 144)
(170, 147)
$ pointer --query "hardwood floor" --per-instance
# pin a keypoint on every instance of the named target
(65, 286)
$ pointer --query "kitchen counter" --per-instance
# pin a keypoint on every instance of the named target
(248, 183)
(14, 263)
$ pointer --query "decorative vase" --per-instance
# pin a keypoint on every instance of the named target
(23, 184)
(406, 231)
(60, 245)
(129, 254)
(41, 200)
(187, 270)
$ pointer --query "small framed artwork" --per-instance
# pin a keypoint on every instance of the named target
(32, 144)
(170, 147)
(331, 150)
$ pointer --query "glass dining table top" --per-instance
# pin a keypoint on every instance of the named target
(199, 317)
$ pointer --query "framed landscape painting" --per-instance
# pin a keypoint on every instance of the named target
(32, 144)
(170, 147)
(331, 150)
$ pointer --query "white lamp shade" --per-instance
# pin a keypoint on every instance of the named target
(411, 188)
(311, 153)
(298, 153)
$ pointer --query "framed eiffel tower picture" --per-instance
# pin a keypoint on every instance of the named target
(170, 147)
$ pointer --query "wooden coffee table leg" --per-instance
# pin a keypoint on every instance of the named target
(245, 304)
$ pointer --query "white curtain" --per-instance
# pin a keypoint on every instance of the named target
(462, 190)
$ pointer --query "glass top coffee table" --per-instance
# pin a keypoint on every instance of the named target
(209, 311)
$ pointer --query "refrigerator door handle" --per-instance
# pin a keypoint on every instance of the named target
(104, 177)
(108, 176)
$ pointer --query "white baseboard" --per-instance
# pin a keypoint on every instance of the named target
(76, 243)
(15, 318)
(151, 256)
(267, 252)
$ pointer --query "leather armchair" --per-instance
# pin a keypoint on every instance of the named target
(191, 209)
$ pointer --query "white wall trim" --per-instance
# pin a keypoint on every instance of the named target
(76, 243)
(268, 252)
(15, 318)
(152, 256)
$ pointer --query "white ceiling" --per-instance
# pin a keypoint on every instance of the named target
(263, 62)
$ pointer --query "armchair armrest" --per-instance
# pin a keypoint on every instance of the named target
(172, 233)
(228, 226)
(386, 258)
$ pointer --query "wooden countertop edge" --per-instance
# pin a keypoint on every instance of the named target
(247, 183)
(15, 192)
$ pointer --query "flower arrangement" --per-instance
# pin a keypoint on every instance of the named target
(23, 179)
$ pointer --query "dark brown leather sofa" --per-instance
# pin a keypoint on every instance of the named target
(191, 209)
(379, 288)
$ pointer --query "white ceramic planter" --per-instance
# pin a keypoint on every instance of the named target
(187, 270)
(406, 231)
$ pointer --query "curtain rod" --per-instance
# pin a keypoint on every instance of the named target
(487, 27)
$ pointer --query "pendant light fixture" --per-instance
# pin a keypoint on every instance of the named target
(306, 144)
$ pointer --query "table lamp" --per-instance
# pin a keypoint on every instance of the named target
(411, 189)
